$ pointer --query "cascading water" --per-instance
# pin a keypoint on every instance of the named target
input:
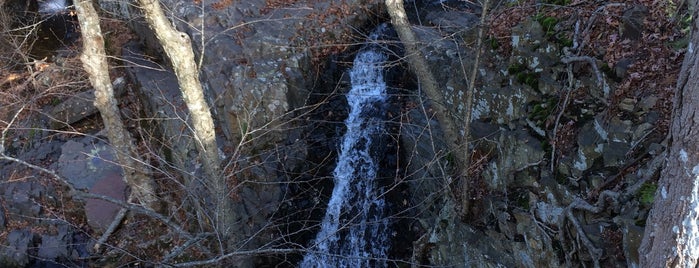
(354, 231)
(52, 7)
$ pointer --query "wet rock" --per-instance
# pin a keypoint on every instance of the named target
(423, 174)
(451, 21)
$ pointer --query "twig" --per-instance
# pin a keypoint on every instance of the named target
(115, 223)
(600, 80)
(469, 106)
(578, 203)
(138, 209)
(592, 20)
(569, 88)
(178, 250)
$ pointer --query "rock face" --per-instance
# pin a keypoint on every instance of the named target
(536, 163)
(257, 68)
(518, 99)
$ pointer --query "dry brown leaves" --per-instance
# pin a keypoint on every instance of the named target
(655, 63)
(502, 20)
(276, 4)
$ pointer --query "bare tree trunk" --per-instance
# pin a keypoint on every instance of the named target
(671, 236)
(94, 61)
(178, 47)
(458, 145)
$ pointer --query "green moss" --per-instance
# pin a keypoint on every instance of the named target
(546, 146)
(513, 3)
(540, 111)
(557, 2)
(646, 194)
(606, 69)
(450, 158)
(529, 78)
(493, 42)
(548, 24)
(523, 75)
(243, 128)
(515, 68)
(565, 41)
(681, 43)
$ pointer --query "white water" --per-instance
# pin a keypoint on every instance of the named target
(354, 231)
(48, 7)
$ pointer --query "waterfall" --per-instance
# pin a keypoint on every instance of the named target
(51, 7)
(354, 230)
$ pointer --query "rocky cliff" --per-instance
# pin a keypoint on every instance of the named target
(567, 131)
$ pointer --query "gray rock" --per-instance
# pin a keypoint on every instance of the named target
(647, 103)
(632, 241)
(15, 253)
(80, 106)
(627, 104)
(518, 152)
(451, 21)
(159, 91)
(3, 219)
(614, 153)
(21, 198)
(53, 247)
(83, 163)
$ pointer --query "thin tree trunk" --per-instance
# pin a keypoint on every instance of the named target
(178, 47)
(671, 236)
(94, 61)
(458, 145)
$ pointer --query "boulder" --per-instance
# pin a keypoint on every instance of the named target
(15, 250)
(85, 161)
(80, 106)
